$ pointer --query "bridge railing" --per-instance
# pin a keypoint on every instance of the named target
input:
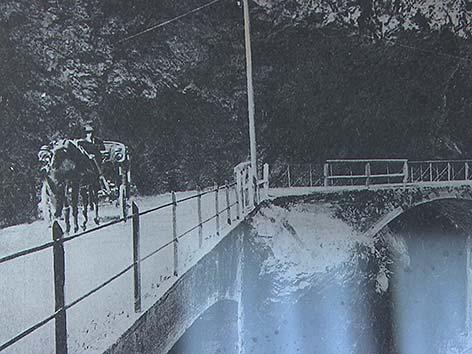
(365, 172)
(297, 175)
(439, 171)
(231, 202)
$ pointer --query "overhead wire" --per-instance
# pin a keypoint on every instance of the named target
(384, 39)
(398, 44)
(162, 24)
(451, 56)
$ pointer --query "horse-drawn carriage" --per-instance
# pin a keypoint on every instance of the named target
(111, 168)
(116, 162)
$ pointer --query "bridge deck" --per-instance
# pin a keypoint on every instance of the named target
(294, 190)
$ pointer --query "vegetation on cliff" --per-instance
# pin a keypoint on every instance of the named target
(333, 79)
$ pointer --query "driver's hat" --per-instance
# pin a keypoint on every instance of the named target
(88, 128)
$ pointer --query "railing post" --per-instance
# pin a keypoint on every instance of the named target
(255, 187)
(326, 174)
(217, 221)
(468, 312)
(237, 192)
(388, 174)
(405, 172)
(250, 184)
(448, 171)
(367, 174)
(431, 172)
(466, 171)
(311, 177)
(59, 295)
(243, 191)
(265, 176)
(136, 259)
(199, 212)
(228, 208)
(288, 176)
(123, 194)
(174, 233)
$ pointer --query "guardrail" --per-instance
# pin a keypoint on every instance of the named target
(365, 172)
(245, 192)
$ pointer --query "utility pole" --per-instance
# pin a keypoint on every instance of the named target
(250, 90)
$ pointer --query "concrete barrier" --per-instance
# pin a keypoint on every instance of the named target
(214, 278)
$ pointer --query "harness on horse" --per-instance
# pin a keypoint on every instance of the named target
(45, 156)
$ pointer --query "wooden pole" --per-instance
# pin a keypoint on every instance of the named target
(250, 90)
(466, 171)
(136, 258)
(59, 295)
(228, 208)
(448, 171)
(174, 233)
(199, 211)
(430, 172)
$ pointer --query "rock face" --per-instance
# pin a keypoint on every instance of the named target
(332, 79)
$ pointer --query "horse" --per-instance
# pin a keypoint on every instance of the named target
(68, 173)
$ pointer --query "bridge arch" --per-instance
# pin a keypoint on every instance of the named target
(394, 211)
(215, 330)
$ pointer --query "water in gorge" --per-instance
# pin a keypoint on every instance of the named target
(308, 290)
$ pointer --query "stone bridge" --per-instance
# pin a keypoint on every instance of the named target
(369, 209)
(219, 275)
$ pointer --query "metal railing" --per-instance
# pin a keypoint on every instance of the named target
(245, 193)
(365, 172)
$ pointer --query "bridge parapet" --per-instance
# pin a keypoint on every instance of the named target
(366, 172)
(368, 210)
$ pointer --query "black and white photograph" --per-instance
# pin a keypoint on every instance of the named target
(236, 176)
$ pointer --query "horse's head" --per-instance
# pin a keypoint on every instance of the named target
(45, 157)
(59, 153)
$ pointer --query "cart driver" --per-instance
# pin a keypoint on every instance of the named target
(94, 147)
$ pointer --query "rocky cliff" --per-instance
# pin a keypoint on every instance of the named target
(333, 78)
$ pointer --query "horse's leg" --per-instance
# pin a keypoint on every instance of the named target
(67, 207)
(75, 205)
(85, 201)
(91, 198)
(46, 208)
(67, 218)
(59, 201)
